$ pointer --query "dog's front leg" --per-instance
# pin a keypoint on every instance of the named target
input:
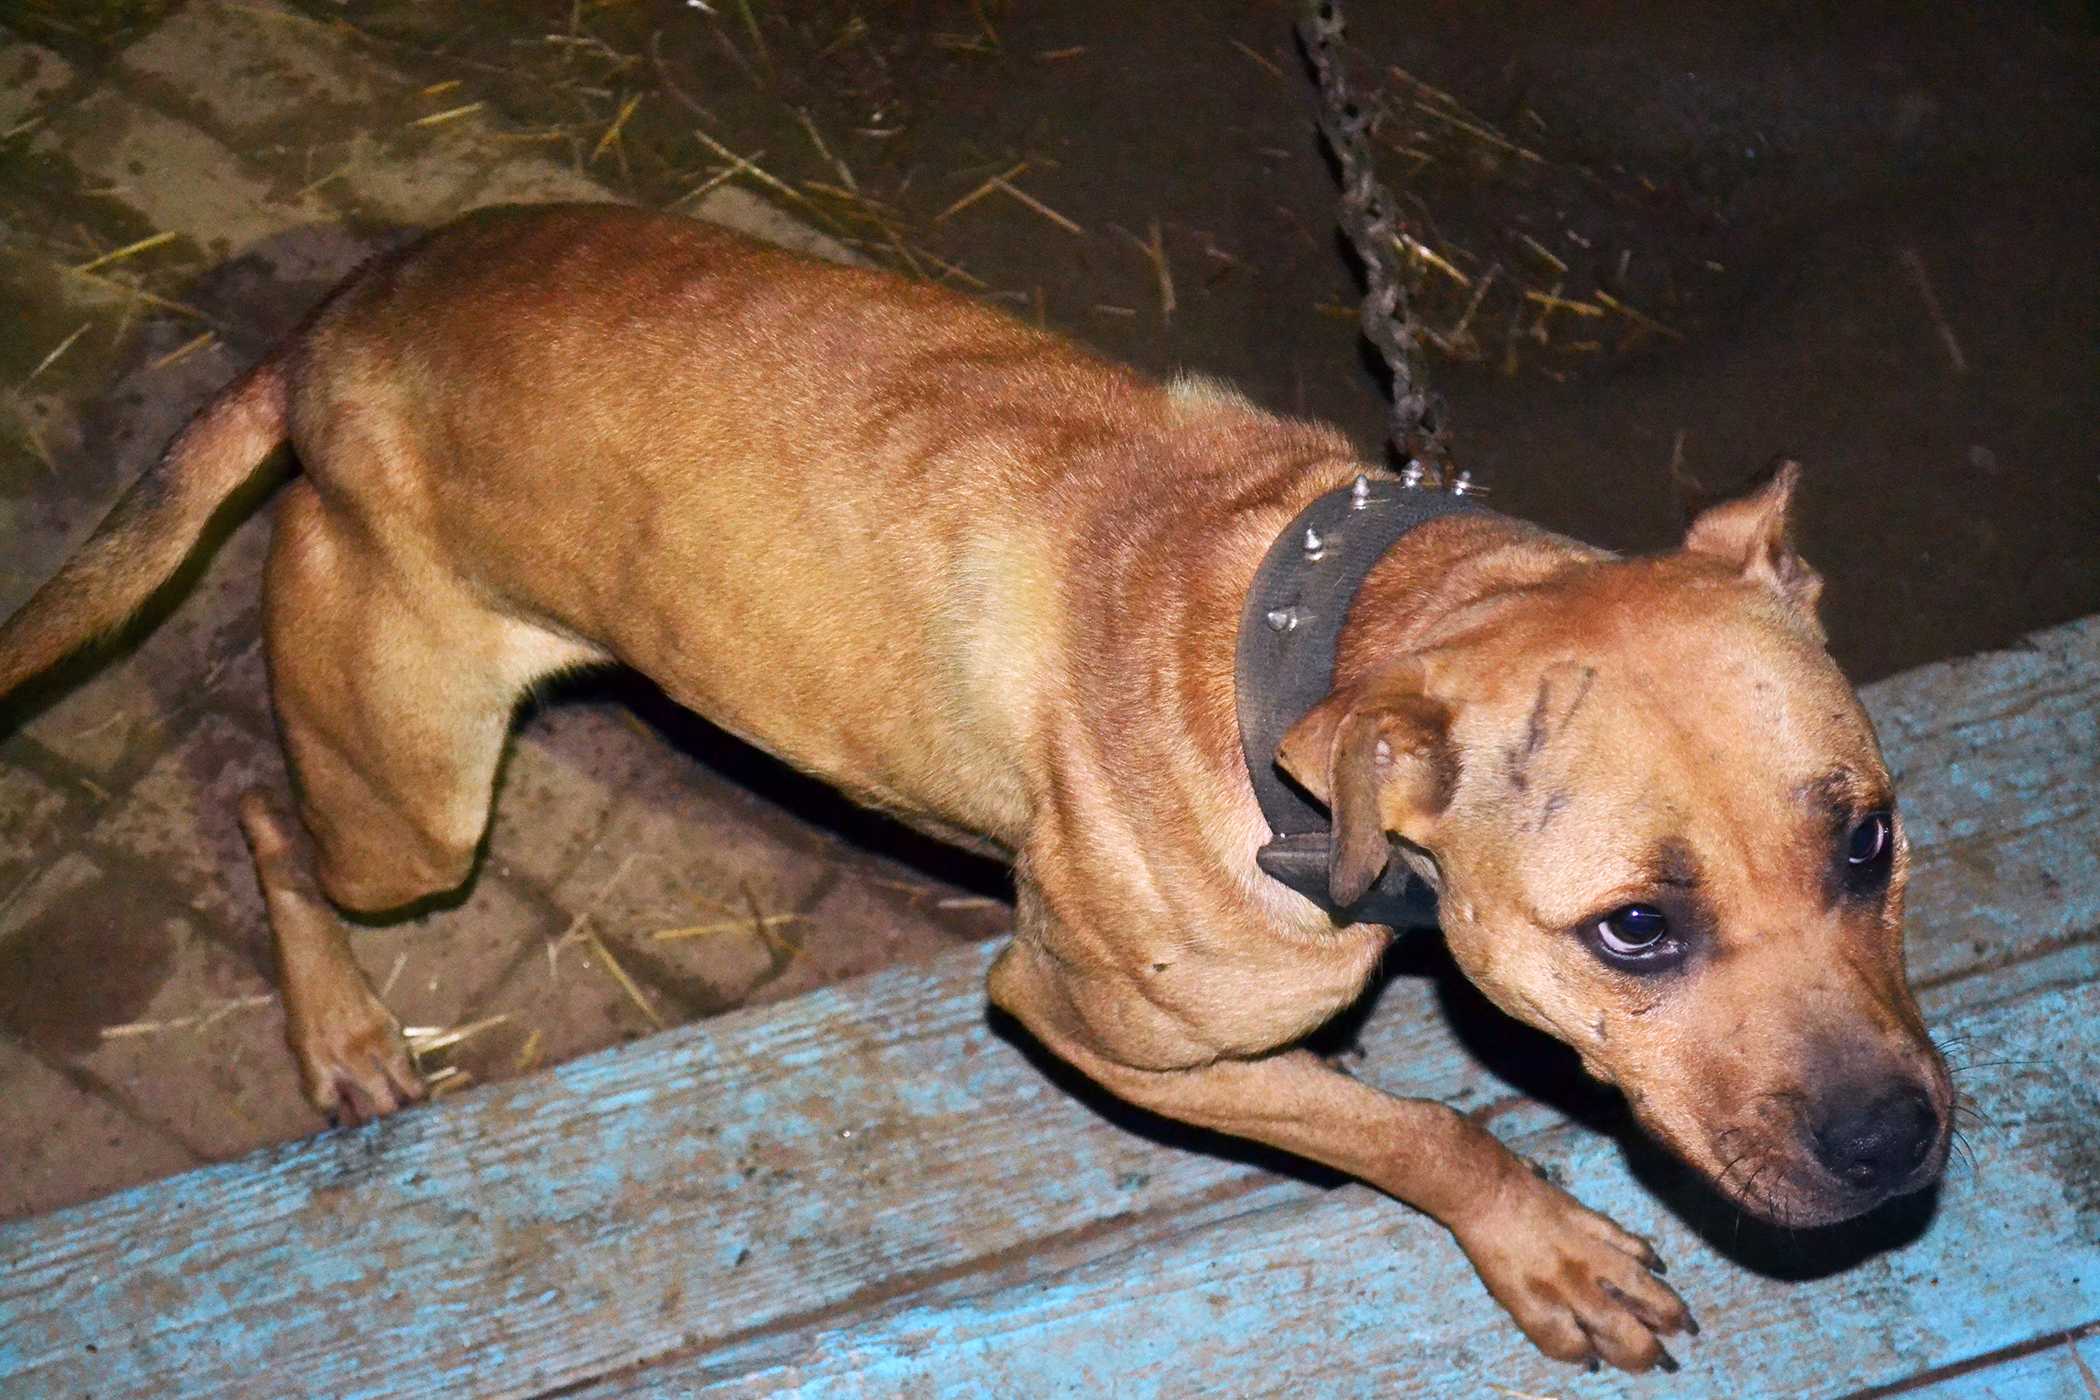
(353, 1060)
(1582, 1289)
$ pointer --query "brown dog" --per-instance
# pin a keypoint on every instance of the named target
(980, 580)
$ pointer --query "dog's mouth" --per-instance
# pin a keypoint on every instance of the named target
(1803, 1164)
(1805, 1195)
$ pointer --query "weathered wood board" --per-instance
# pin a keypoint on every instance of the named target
(1997, 759)
(1328, 1297)
(2064, 1370)
(869, 1192)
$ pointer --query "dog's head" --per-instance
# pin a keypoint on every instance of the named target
(1661, 830)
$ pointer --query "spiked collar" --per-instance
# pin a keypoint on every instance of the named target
(1284, 665)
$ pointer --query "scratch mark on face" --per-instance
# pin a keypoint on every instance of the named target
(1544, 723)
(1516, 761)
(1582, 693)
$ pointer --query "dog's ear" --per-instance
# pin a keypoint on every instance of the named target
(1378, 754)
(1751, 534)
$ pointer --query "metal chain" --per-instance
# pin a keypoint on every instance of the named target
(1368, 217)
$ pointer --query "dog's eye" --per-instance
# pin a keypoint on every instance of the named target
(1648, 940)
(1869, 850)
(1632, 931)
(1870, 839)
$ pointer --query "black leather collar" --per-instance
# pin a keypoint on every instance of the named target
(1284, 665)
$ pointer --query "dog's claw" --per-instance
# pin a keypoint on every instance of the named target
(351, 1055)
(1666, 1363)
(387, 1085)
(1578, 1285)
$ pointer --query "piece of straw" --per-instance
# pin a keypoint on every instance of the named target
(719, 927)
(1915, 265)
(450, 114)
(1036, 204)
(981, 191)
(1278, 72)
(63, 346)
(612, 133)
(184, 351)
(424, 1039)
(166, 236)
(1155, 250)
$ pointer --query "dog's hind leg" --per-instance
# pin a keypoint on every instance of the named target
(393, 688)
(353, 1062)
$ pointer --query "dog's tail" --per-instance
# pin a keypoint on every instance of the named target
(152, 528)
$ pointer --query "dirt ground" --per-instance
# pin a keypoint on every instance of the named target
(1660, 244)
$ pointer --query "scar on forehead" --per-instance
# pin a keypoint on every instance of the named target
(1544, 722)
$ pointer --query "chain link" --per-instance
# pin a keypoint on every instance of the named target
(1416, 426)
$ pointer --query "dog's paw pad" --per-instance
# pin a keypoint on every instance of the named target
(1581, 1288)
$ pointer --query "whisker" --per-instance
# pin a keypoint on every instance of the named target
(1960, 1150)
(1966, 1108)
(1994, 1064)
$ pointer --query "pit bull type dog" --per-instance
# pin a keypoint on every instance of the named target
(978, 579)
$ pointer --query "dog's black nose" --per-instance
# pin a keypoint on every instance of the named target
(1878, 1146)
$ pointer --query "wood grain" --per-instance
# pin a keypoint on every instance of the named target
(1347, 1296)
(1997, 760)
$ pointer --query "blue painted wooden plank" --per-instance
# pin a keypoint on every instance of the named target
(1997, 760)
(700, 1185)
(868, 1139)
(826, 1163)
(2066, 1371)
(1345, 1296)
(465, 1277)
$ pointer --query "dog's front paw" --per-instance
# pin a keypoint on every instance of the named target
(1582, 1289)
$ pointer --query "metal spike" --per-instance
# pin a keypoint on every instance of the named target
(1283, 619)
(1413, 475)
(1314, 545)
(1360, 493)
(1462, 484)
